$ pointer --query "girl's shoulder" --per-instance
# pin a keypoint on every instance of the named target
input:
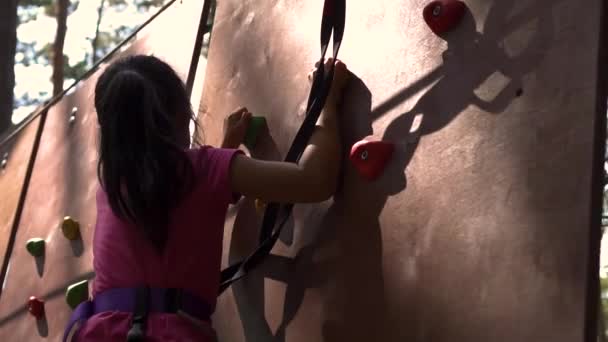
(212, 167)
(208, 159)
(209, 154)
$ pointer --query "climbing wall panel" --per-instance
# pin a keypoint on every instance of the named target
(18, 152)
(477, 229)
(64, 182)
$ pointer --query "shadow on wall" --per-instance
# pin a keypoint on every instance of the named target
(335, 253)
(471, 58)
(343, 259)
(52, 294)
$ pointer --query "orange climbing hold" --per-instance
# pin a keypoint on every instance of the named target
(36, 307)
(443, 15)
(370, 157)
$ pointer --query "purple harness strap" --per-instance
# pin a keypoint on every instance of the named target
(123, 299)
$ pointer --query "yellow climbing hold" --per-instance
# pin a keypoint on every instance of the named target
(70, 228)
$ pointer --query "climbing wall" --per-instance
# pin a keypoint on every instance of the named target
(64, 183)
(477, 229)
(15, 156)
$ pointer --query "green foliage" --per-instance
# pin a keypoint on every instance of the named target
(146, 5)
(51, 10)
(30, 53)
(142, 5)
(35, 3)
(74, 71)
(604, 296)
(26, 14)
(29, 8)
(106, 41)
(33, 56)
(117, 2)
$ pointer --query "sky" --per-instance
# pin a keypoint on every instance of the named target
(35, 80)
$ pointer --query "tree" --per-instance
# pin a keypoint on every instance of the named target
(94, 52)
(58, 58)
(51, 54)
(8, 45)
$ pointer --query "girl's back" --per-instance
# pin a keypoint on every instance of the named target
(190, 261)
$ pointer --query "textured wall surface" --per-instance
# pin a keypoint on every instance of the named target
(64, 182)
(12, 176)
(477, 230)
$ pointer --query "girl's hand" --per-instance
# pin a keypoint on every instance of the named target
(341, 77)
(315, 177)
(235, 128)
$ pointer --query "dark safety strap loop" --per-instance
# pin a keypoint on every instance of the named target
(333, 21)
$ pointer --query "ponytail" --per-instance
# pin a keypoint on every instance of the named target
(141, 166)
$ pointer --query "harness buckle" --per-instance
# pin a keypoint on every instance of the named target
(173, 300)
(137, 333)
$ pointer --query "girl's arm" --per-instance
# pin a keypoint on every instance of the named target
(314, 179)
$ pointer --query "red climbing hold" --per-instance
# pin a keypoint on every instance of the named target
(443, 15)
(36, 307)
(370, 157)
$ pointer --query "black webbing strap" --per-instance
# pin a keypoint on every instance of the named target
(334, 17)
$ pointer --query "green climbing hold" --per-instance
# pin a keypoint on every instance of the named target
(255, 127)
(35, 246)
(77, 293)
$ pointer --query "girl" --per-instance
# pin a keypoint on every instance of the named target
(161, 205)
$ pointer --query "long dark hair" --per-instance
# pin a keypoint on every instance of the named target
(143, 168)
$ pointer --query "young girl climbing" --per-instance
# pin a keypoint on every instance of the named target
(161, 205)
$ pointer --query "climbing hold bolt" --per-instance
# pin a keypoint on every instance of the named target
(35, 246)
(436, 10)
(70, 228)
(253, 131)
(443, 15)
(370, 157)
(4, 161)
(260, 206)
(77, 293)
(73, 115)
(36, 307)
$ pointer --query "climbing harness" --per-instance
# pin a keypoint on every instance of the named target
(334, 17)
(140, 301)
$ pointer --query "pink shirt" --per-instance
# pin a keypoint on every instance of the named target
(192, 258)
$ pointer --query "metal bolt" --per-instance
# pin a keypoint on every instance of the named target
(4, 161)
(437, 10)
(73, 115)
(364, 155)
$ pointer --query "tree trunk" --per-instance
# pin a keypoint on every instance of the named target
(58, 60)
(94, 57)
(8, 45)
